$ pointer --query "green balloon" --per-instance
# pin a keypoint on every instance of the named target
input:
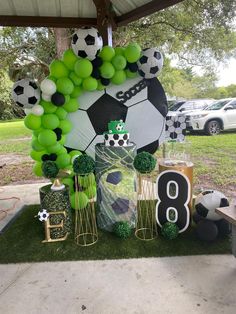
(107, 70)
(100, 86)
(72, 105)
(132, 53)
(75, 79)
(62, 140)
(37, 155)
(36, 132)
(69, 182)
(52, 78)
(77, 91)
(91, 191)
(63, 160)
(37, 169)
(107, 53)
(65, 126)
(119, 62)
(61, 113)
(119, 77)
(47, 138)
(78, 201)
(36, 145)
(74, 153)
(62, 151)
(130, 74)
(65, 85)
(69, 58)
(90, 84)
(48, 106)
(119, 51)
(58, 69)
(50, 121)
(83, 68)
(32, 122)
(54, 148)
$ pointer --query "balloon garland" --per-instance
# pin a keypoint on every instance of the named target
(87, 66)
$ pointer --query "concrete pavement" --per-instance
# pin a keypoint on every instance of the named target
(193, 284)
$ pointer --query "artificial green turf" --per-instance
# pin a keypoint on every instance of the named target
(22, 243)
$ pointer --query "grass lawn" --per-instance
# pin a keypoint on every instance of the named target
(22, 243)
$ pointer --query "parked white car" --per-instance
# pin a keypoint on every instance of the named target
(189, 105)
(221, 115)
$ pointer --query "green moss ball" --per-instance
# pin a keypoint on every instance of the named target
(84, 164)
(144, 162)
(170, 230)
(122, 229)
(50, 169)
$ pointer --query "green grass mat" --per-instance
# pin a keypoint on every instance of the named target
(22, 243)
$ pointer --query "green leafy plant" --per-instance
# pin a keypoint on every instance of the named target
(122, 229)
(83, 164)
(144, 162)
(50, 169)
(170, 230)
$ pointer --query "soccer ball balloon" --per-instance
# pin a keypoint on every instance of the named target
(86, 43)
(26, 93)
(150, 63)
(43, 215)
(207, 201)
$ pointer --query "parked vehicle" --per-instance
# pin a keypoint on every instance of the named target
(221, 115)
(190, 105)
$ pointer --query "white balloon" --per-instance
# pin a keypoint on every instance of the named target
(48, 87)
(46, 97)
(27, 111)
(37, 110)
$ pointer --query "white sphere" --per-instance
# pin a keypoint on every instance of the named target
(43, 215)
(150, 63)
(86, 43)
(27, 111)
(46, 97)
(37, 110)
(48, 87)
(26, 93)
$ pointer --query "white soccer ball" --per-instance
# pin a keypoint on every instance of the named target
(150, 63)
(26, 93)
(86, 43)
(43, 215)
(207, 202)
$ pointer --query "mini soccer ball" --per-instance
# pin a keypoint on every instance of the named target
(43, 215)
(150, 64)
(119, 127)
(26, 93)
(207, 201)
(86, 43)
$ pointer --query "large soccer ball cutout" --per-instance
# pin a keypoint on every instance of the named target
(86, 43)
(141, 104)
(206, 203)
(150, 64)
(26, 93)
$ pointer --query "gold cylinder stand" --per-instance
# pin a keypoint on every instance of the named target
(86, 232)
(146, 227)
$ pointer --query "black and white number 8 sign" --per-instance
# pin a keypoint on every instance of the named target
(173, 195)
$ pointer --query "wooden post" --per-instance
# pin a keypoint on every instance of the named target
(62, 40)
(105, 20)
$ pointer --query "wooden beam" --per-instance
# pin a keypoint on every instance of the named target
(144, 10)
(105, 20)
(46, 21)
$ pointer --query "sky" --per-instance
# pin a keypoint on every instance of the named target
(227, 73)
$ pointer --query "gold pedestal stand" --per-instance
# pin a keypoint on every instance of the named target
(86, 232)
(146, 227)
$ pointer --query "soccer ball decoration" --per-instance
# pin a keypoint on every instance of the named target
(206, 203)
(86, 43)
(26, 93)
(140, 104)
(43, 215)
(150, 64)
(175, 127)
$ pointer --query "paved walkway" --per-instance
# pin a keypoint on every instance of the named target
(176, 285)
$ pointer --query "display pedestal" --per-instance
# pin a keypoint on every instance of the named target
(146, 227)
(116, 185)
(57, 204)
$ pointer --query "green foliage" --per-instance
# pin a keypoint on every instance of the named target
(84, 164)
(144, 162)
(170, 230)
(50, 169)
(122, 229)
